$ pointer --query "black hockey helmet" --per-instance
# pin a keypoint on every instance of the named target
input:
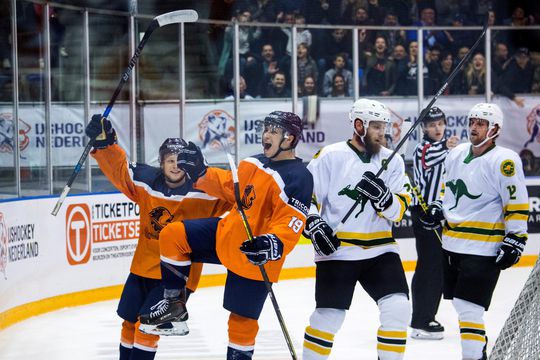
(434, 114)
(171, 146)
(288, 121)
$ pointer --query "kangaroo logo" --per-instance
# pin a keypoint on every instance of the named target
(355, 195)
(459, 189)
(248, 197)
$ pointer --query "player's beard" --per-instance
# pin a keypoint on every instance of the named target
(372, 146)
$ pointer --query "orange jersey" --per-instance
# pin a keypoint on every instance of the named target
(275, 197)
(158, 204)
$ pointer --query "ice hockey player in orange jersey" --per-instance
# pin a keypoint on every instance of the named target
(164, 195)
(276, 190)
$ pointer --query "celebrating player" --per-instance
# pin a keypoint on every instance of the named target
(485, 206)
(426, 286)
(164, 195)
(364, 250)
(276, 190)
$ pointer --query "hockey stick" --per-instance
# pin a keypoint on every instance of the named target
(249, 233)
(174, 17)
(423, 114)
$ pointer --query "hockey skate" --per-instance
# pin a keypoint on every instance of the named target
(167, 317)
(433, 331)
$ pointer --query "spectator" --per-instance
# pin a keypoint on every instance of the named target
(339, 68)
(309, 86)
(361, 18)
(277, 88)
(475, 75)
(518, 75)
(242, 87)
(399, 56)
(407, 79)
(393, 37)
(535, 61)
(338, 87)
(246, 35)
(517, 38)
(461, 53)
(323, 12)
(303, 35)
(432, 58)
(431, 37)
(261, 71)
(280, 37)
(459, 38)
(332, 43)
(446, 66)
(380, 74)
(500, 59)
(306, 65)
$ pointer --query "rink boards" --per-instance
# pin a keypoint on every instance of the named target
(83, 254)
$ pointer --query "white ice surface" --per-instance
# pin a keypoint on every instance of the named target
(92, 331)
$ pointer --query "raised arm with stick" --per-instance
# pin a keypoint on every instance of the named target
(174, 17)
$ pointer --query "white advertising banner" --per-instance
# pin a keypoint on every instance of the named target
(210, 125)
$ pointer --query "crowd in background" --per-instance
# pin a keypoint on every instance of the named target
(388, 60)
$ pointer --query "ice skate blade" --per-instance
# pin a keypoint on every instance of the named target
(420, 334)
(178, 328)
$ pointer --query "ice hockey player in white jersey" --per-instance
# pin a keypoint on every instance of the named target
(363, 250)
(485, 208)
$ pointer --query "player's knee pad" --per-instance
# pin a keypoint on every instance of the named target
(127, 334)
(394, 311)
(472, 329)
(242, 332)
(324, 323)
(394, 316)
(173, 244)
(145, 342)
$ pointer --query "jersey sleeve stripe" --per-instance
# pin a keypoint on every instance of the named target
(516, 207)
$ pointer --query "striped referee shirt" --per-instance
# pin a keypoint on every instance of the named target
(428, 167)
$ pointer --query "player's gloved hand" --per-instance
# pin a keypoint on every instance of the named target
(263, 248)
(427, 221)
(435, 212)
(320, 234)
(510, 251)
(375, 190)
(192, 161)
(100, 129)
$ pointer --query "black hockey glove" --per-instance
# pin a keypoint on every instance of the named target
(435, 212)
(100, 129)
(192, 161)
(510, 251)
(376, 191)
(263, 248)
(320, 234)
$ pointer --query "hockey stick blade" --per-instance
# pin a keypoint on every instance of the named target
(173, 17)
(178, 16)
(423, 114)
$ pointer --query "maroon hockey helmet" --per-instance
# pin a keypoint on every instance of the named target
(288, 121)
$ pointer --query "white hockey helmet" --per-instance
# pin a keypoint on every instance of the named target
(369, 110)
(491, 113)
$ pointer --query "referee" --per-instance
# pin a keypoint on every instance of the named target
(428, 166)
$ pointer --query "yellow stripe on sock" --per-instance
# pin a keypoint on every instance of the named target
(392, 334)
(471, 325)
(316, 348)
(320, 334)
(473, 337)
(392, 348)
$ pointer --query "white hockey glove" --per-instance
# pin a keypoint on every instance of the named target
(376, 191)
(320, 234)
(263, 248)
(510, 251)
